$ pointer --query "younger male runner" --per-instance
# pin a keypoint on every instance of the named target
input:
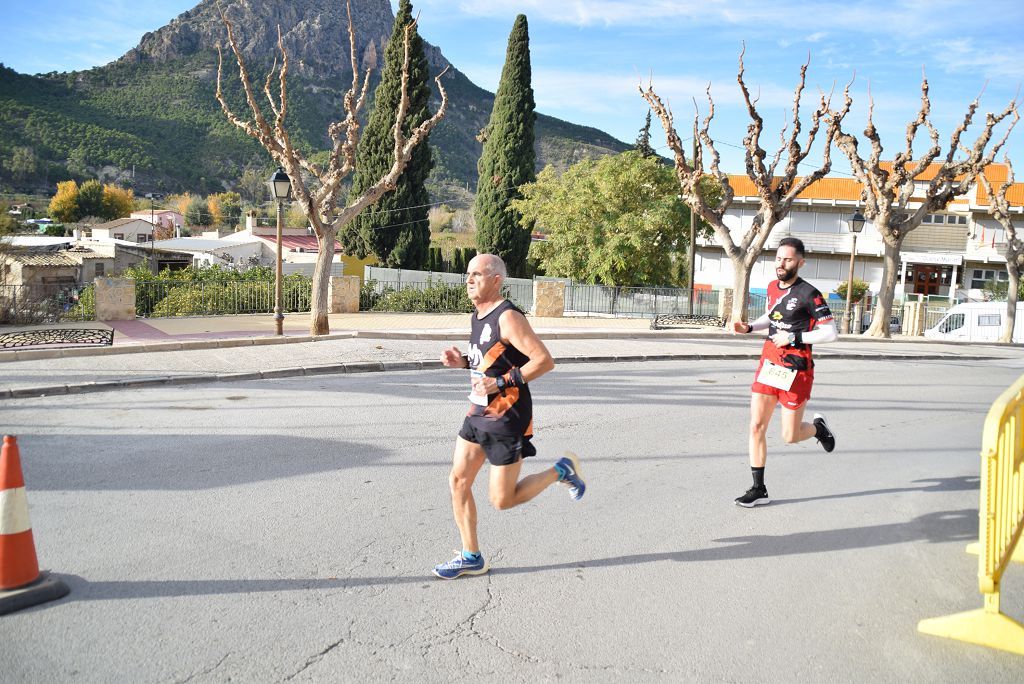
(797, 317)
(505, 355)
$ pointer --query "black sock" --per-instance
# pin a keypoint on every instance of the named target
(758, 474)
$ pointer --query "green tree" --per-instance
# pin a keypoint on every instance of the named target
(643, 140)
(197, 213)
(64, 204)
(78, 163)
(616, 221)
(508, 158)
(230, 208)
(860, 288)
(396, 228)
(90, 199)
(253, 186)
(22, 163)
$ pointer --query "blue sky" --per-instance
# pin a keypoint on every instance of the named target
(589, 56)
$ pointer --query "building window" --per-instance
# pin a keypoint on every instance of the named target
(948, 219)
(142, 237)
(100, 269)
(981, 276)
(119, 236)
(989, 319)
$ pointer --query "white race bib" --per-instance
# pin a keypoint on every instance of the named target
(478, 399)
(776, 376)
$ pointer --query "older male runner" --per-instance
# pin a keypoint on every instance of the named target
(505, 355)
(796, 317)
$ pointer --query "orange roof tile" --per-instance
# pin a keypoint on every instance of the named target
(830, 188)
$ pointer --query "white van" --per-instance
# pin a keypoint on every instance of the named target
(977, 322)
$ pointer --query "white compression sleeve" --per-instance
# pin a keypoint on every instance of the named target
(760, 324)
(821, 334)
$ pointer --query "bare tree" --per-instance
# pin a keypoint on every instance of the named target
(776, 193)
(320, 197)
(890, 188)
(999, 208)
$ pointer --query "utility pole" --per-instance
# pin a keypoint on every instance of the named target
(693, 232)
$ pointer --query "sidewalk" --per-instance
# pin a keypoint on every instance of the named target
(174, 351)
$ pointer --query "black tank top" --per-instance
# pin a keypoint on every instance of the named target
(511, 414)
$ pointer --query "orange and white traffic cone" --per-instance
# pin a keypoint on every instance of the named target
(21, 583)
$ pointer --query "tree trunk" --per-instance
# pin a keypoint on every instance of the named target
(320, 301)
(1013, 268)
(740, 289)
(883, 312)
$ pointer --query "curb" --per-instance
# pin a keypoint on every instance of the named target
(390, 366)
(453, 335)
(182, 345)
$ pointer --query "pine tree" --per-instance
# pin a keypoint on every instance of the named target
(508, 157)
(643, 140)
(396, 228)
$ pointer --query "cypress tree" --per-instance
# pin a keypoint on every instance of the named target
(508, 158)
(396, 228)
(643, 140)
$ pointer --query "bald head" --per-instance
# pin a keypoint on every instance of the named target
(488, 263)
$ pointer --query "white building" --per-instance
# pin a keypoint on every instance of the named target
(128, 229)
(229, 253)
(951, 255)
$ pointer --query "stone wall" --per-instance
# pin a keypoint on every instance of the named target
(344, 294)
(115, 299)
(548, 299)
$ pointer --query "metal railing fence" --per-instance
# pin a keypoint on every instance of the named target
(641, 302)
(46, 303)
(168, 298)
(422, 297)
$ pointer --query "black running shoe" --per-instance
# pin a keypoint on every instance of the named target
(755, 496)
(824, 435)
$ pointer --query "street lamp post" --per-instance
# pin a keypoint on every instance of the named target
(281, 188)
(855, 224)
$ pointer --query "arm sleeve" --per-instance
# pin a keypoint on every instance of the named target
(826, 332)
(761, 323)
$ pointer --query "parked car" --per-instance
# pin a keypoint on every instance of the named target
(894, 324)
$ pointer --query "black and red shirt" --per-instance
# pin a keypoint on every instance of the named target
(797, 308)
(510, 413)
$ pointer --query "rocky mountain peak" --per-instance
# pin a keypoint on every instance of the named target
(314, 32)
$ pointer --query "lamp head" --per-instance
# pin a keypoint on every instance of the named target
(280, 185)
(856, 222)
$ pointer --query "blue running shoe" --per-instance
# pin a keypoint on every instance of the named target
(459, 566)
(573, 477)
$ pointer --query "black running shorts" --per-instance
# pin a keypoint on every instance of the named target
(501, 450)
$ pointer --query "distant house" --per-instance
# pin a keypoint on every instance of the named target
(58, 261)
(129, 229)
(166, 220)
(231, 253)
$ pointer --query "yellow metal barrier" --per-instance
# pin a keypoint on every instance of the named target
(1001, 523)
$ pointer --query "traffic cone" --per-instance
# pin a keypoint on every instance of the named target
(21, 583)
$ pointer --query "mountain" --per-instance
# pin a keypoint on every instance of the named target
(151, 119)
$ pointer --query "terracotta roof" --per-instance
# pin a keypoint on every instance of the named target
(830, 188)
(826, 188)
(49, 259)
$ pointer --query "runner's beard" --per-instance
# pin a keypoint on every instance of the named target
(785, 275)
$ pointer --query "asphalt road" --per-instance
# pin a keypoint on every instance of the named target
(284, 530)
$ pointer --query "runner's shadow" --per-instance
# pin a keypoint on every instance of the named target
(933, 528)
(942, 484)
